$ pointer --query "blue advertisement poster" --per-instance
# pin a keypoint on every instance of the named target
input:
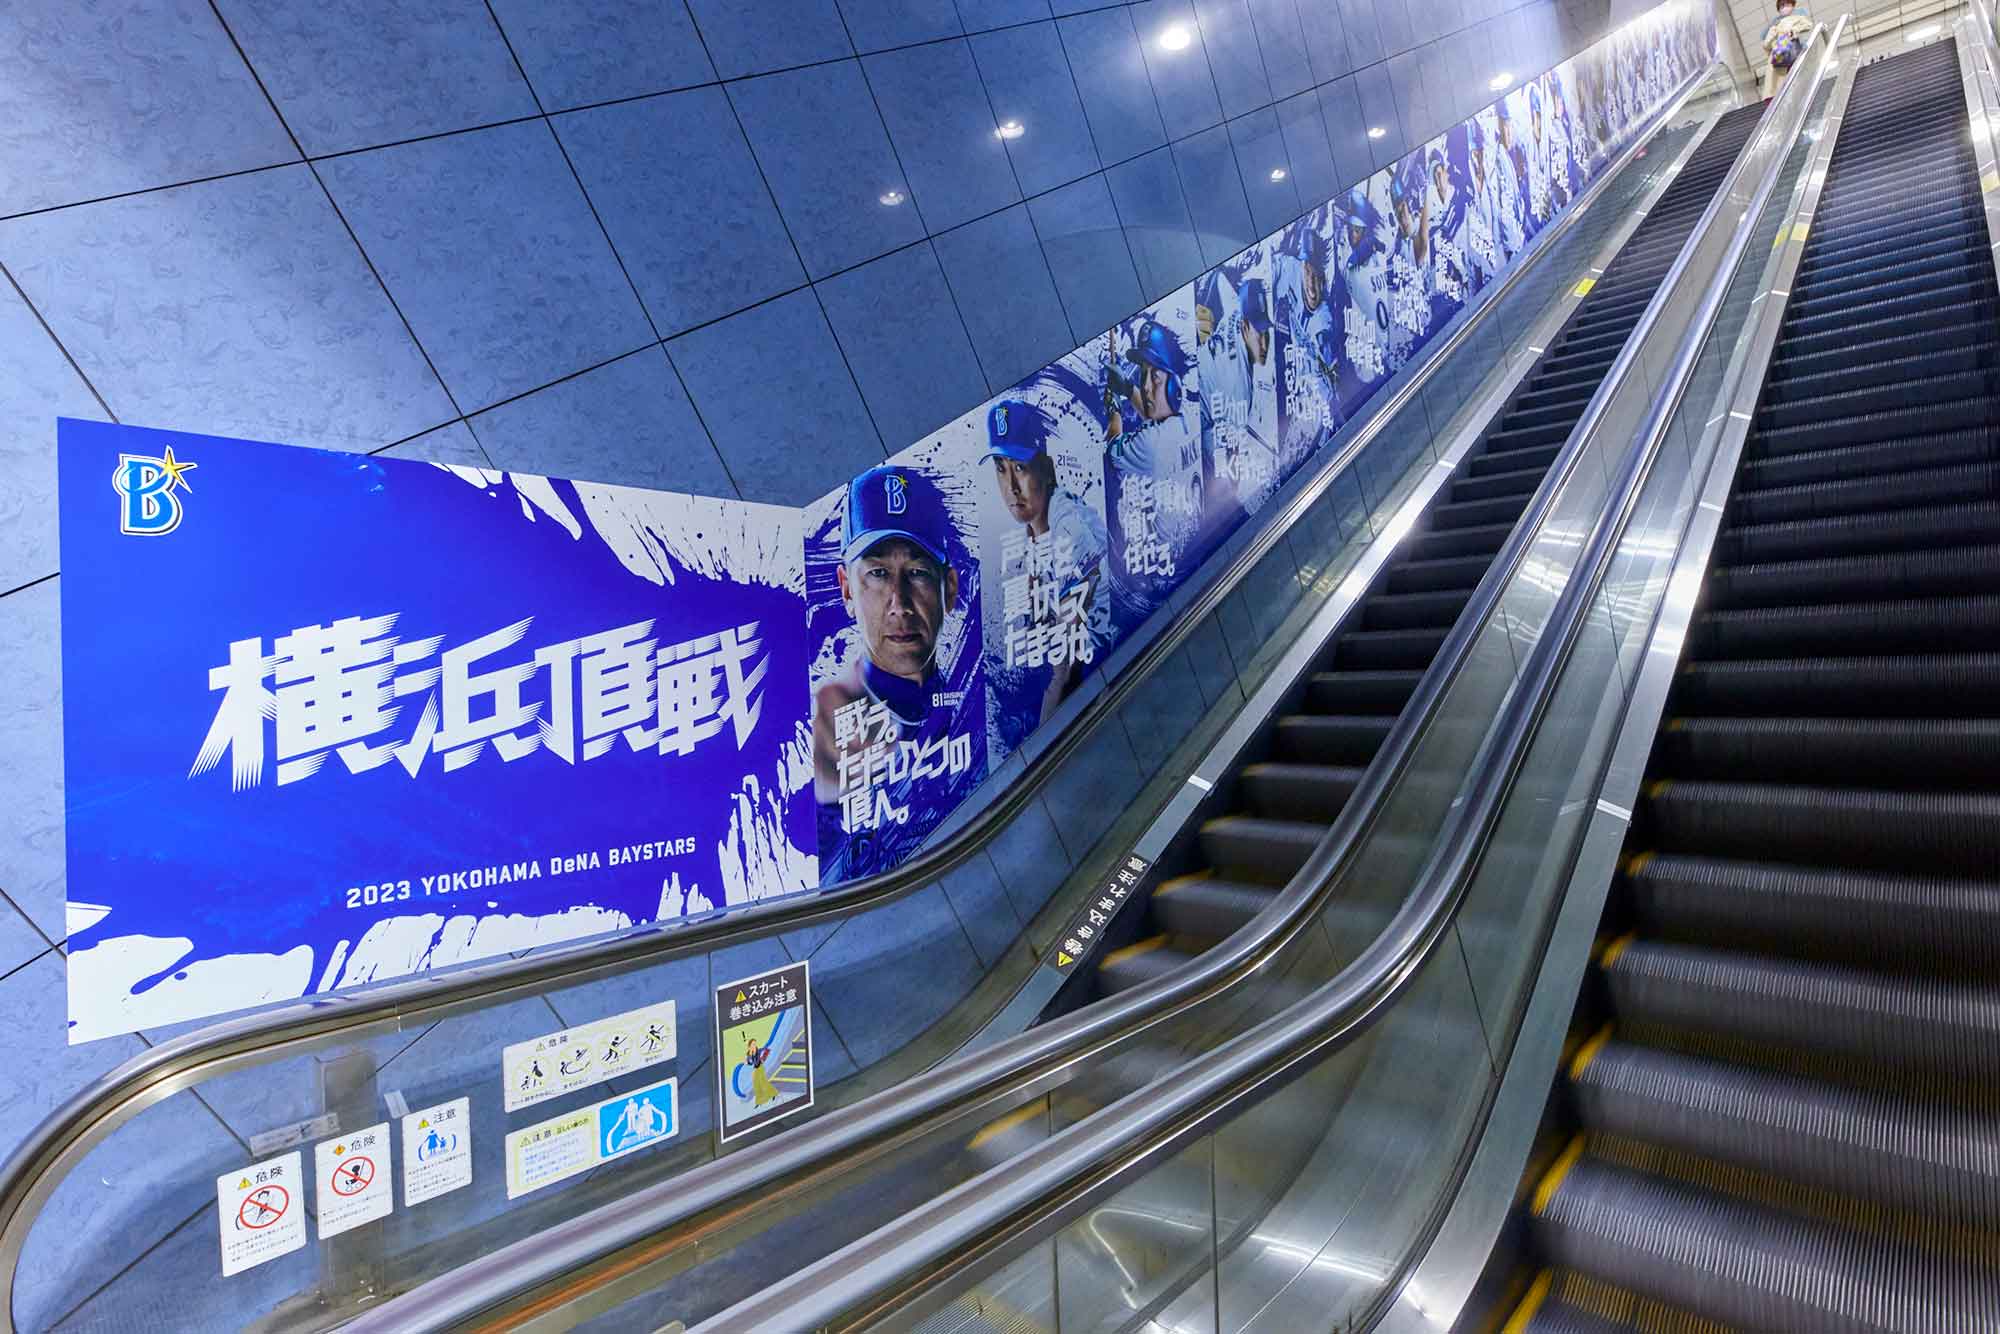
(332, 718)
(893, 586)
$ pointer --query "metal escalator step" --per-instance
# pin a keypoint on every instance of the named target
(1525, 437)
(1520, 482)
(1447, 574)
(1886, 362)
(1865, 227)
(1969, 524)
(1869, 919)
(1964, 261)
(1933, 298)
(1949, 448)
(1373, 692)
(1286, 790)
(1514, 462)
(1922, 1156)
(1332, 738)
(1141, 961)
(1202, 907)
(1900, 752)
(1751, 1266)
(1927, 684)
(1247, 847)
(1909, 486)
(1562, 1318)
(1948, 833)
(1409, 611)
(1389, 648)
(1947, 570)
(1908, 625)
(1824, 409)
(1434, 545)
(1922, 1026)
(1808, 303)
(1478, 513)
(1938, 241)
(1837, 338)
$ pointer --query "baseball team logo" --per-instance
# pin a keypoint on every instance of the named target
(145, 486)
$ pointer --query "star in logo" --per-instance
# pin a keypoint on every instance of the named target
(177, 470)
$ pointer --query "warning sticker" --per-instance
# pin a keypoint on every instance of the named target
(575, 1058)
(564, 1146)
(353, 1175)
(437, 1150)
(763, 1044)
(1080, 941)
(262, 1211)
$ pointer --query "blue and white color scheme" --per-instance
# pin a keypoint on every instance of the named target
(332, 718)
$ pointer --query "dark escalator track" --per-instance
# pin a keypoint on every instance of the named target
(1280, 805)
(1785, 1077)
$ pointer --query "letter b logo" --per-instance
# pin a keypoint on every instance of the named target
(895, 494)
(148, 506)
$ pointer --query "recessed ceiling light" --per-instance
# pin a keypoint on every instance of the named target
(1376, 131)
(1923, 34)
(1277, 173)
(1010, 129)
(891, 198)
(1175, 38)
(1500, 80)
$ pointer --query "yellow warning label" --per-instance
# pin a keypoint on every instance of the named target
(244, 1184)
(1989, 182)
(1583, 288)
(1063, 960)
(739, 995)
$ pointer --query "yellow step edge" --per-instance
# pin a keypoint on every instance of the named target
(1552, 1179)
(1588, 1052)
(1182, 881)
(1018, 1117)
(1658, 788)
(1634, 865)
(1524, 1314)
(1136, 948)
(1609, 955)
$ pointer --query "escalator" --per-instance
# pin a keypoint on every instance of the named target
(1779, 1105)
(1296, 781)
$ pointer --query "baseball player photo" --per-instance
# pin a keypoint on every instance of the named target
(1410, 287)
(1532, 153)
(1306, 322)
(1482, 222)
(1510, 181)
(1152, 456)
(1448, 205)
(1239, 389)
(1362, 260)
(898, 717)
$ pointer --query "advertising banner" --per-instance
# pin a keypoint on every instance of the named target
(333, 718)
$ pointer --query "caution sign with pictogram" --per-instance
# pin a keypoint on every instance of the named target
(1085, 931)
(437, 1151)
(763, 1044)
(262, 1213)
(354, 1182)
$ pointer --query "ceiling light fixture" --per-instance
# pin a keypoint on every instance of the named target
(1176, 38)
(1376, 131)
(891, 198)
(1277, 173)
(1010, 129)
(1500, 80)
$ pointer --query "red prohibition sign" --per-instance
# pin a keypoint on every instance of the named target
(352, 1177)
(263, 1207)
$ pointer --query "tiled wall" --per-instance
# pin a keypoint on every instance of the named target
(640, 241)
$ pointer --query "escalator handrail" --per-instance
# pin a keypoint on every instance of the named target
(941, 1243)
(972, 1080)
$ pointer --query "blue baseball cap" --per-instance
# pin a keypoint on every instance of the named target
(1534, 97)
(1312, 247)
(1502, 110)
(1016, 429)
(891, 502)
(1256, 305)
(1154, 346)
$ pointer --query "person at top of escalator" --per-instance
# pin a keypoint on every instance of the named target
(1784, 42)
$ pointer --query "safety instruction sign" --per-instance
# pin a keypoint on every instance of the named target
(353, 1180)
(437, 1151)
(763, 1049)
(567, 1145)
(262, 1210)
(575, 1058)
(1086, 928)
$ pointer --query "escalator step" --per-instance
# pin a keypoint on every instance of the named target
(1911, 391)
(1923, 1026)
(1836, 916)
(1266, 851)
(1850, 461)
(1752, 1266)
(1934, 752)
(1519, 461)
(1412, 611)
(1520, 482)
(1483, 542)
(1202, 907)
(1478, 513)
(1141, 961)
(1911, 486)
(1374, 692)
(1389, 648)
(1888, 361)
(1896, 574)
(1332, 738)
(1311, 792)
(1912, 625)
(1950, 833)
(1450, 572)
(1919, 1156)
(1974, 522)
(1917, 683)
